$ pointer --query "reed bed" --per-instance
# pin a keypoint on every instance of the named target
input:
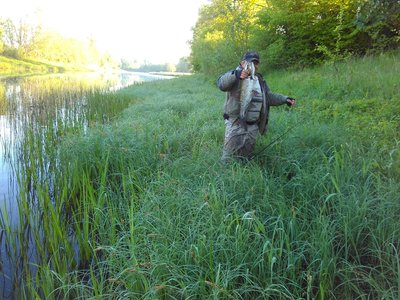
(140, 207)
(39, 117)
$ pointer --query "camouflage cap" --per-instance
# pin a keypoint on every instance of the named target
(251, 56)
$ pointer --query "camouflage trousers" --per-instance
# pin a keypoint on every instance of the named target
(239, 142)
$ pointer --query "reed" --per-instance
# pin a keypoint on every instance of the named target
(137, 204)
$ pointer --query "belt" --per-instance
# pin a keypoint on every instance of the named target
(226, 117)
(251, 123)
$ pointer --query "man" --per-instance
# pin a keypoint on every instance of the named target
(241, 132)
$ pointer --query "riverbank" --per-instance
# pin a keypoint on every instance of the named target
(175, 74)
(10, 67)
(156, 215)
(14, 67)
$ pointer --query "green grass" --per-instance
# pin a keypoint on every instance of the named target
(10, 67)
(157, 216)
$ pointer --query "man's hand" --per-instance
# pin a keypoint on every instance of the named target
(290, 101)
(244, 74)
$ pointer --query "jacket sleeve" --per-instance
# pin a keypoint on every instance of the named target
(275, 99)
(227, 81)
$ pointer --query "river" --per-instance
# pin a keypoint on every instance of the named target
(26, 101)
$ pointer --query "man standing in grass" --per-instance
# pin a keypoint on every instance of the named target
(242, 127)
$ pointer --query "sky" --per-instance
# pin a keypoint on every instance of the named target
(156, 31)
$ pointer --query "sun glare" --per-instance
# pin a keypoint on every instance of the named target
(157, 31)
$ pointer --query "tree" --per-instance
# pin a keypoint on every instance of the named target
(379, 24)
(23, 40)
(124, 64)
(292, 32)
(183, 65)
(222, 34)
(17, 38)
(300, 32)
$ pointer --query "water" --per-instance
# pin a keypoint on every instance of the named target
(32, 101)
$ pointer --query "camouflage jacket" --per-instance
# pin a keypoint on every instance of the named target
(230, 84)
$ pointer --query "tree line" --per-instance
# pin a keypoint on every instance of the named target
(23, 40)
(290, 33)
(182, 66)
(286, 33)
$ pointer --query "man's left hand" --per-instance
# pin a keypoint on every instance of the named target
(290, 101)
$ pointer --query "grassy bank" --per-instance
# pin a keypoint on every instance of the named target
(157, 216)
(19, 67)
(14, 67)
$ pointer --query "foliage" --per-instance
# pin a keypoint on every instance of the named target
(292, 32)
(379, 22)
(11, 67)
(222, 25)
(149, 67)
(306, 31)
(17, 36)
(183, 65)
(26, 41)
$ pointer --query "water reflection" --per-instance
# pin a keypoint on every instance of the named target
(34, 113)
(32, 100)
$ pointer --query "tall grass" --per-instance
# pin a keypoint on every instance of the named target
(39, 120)
(155, 215)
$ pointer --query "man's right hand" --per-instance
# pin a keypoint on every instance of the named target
(244, 74)
(241, 72)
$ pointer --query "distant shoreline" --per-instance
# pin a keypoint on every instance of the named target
(176, 74)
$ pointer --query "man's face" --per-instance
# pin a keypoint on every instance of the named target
(256, 63)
